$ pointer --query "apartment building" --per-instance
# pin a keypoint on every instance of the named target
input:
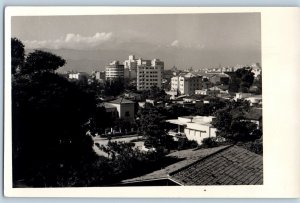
(186, 84)
(149, 73)
(130, 66)
(114, 71)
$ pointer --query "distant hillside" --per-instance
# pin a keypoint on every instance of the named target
(87, 61)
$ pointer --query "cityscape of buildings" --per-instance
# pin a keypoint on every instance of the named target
(137, 105)
(185, 87)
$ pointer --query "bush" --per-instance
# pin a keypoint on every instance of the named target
(209, 142)
(184, 143)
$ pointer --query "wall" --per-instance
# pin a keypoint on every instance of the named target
(198, 132)
(122, 108)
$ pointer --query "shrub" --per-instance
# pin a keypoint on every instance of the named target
(209, 142)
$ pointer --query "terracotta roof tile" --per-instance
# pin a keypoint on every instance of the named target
(231, 166)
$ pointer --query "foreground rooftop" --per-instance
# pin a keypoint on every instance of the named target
(224, 165)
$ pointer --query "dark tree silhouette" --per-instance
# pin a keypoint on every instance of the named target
(241, 80)
(50, 145)
(17, 55)
(41, 61)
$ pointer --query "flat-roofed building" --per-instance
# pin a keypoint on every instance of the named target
(149, 73)
(194, 127)
(186, 84)
(114, 70)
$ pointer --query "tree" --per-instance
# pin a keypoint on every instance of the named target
(49, 114)
(241, 80)
(17, 55)
(232, 125)
(114, 87)
(151, 128)
(41, 61)
(156, 93)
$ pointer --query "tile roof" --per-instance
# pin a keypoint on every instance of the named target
(230, 166)
(121, 101)
(185, 158)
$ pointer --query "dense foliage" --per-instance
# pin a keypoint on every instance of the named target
(49, 116)
(232, 124)
(241, 80)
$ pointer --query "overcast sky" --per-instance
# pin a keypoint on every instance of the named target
(185, 40)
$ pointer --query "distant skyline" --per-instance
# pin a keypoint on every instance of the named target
(184, 40)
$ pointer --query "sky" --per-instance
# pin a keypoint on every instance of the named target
(183, 40)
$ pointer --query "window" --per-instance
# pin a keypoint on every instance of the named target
(127, 114)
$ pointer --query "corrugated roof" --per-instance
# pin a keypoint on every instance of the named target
(231, 166)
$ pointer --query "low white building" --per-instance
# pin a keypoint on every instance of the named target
(253, 99)
(194, 127)
(78, 76)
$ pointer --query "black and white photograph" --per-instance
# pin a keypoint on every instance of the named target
(151, 102)
(136, 100)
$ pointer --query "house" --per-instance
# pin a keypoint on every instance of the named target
(223, 165)
(124, 107)
(111, 110)
(194, 127)
(253, 99)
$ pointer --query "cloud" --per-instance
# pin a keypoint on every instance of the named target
(71, 41)
(175, 43)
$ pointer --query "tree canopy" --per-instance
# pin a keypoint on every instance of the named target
(241, 80)
(17, 55)
(41, 61)
(232, 125)
(49, 113)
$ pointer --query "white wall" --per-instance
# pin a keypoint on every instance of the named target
(198, 132)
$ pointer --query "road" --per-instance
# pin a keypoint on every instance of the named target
(104, 141)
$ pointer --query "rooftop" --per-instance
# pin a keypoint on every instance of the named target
(230, 166)
(184, 120)
(184, 157)
(121, 101)
(224, 165)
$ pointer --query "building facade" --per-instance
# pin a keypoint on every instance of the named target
(114, 70)
(149, 73)
(186, 84)
(80, 76)
(193, 127)
(125, 108)
(130, 66)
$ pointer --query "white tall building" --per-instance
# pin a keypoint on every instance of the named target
(114, 70)
(149, 73)
(186, 84)
(130, 67)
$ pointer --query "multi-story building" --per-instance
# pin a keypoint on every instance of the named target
(186, 84)
(99, 75)
(130, 67)
(114, 71)
(149, 73)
